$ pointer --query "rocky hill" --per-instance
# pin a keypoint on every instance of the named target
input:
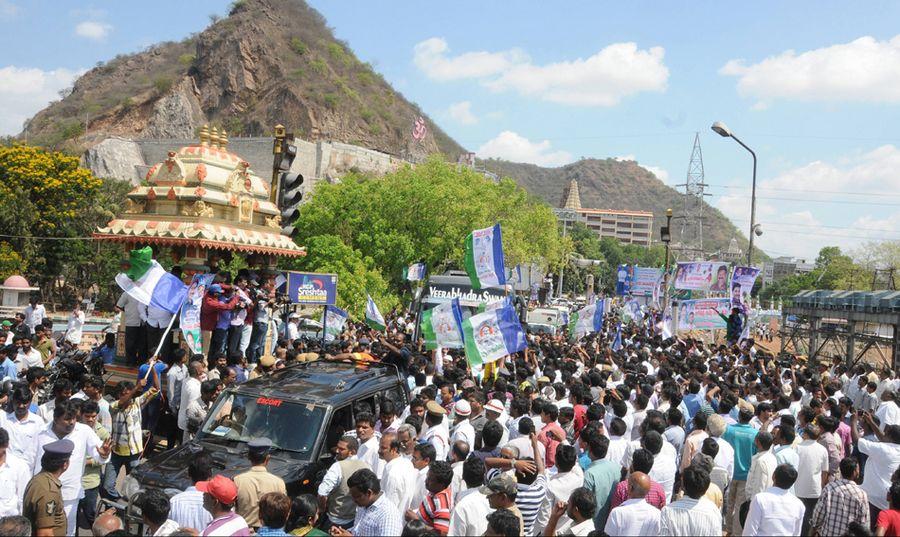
(276, 61)
(619, 185)
(268, 62)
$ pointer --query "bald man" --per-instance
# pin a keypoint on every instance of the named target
(634, 516)
(107, 522)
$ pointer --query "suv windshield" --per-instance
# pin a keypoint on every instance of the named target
(290, 426)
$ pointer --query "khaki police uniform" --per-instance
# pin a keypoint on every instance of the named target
(250, 486)
(43, 503)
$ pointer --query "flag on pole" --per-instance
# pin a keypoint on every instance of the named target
(442, 326)
(335, 320)
(484, 258)
(586, 320)
(490, 306)
(414, 272)
(148, 283)
(373, 316)
(617, 342)
(492, 335)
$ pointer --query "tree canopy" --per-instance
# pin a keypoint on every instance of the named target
(49, 205)
(421, 213)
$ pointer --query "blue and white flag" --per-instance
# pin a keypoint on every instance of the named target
(374, 318)
(148, 283)
(442, 326)
(617, 342)
(414, 272)
(586, 320)
(484, 258)
(491, 335)
(633, 310)
(335, 320)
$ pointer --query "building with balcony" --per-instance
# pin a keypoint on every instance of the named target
(627, 227)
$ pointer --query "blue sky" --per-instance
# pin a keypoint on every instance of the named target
(813, 87)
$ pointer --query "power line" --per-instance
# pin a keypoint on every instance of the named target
(842, 202)
(48, 238)
(807, 191)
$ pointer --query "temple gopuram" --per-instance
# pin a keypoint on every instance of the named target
(203, 203)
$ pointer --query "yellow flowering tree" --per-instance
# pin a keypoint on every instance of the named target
(48, 205)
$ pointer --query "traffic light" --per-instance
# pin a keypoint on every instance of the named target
(289, 197)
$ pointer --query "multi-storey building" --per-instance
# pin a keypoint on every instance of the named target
(629, 227)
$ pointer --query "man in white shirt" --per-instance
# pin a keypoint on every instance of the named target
(812, 471)
(436, 433)
(23, 427)
(762, 466)
(34, 313)
(618, 442)
(190, 392)
(368, 442)
(186, 507)
(175, 376)
(888, 411)
(579, 509)
(568, 477)
(776, 511)
(398, 478)
(469, 516)
(693, 514)
(87, 444)
(14, 477)
(28, 356)
(884, 459)
(135, 336)
(634, 516)
(664, 461)
(462, 428)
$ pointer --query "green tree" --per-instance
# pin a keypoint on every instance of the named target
(51, 206)
(424, 213)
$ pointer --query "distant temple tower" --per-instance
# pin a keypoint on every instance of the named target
(571, 198)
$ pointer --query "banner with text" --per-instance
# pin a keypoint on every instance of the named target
(701, 314)
(190, 312)
(702, 276)
(312, 288)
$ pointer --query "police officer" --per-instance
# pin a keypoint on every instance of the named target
(43, 503)
(437, 433)
(256, 481)
(266, 365)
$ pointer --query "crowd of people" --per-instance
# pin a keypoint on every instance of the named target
(623, 432)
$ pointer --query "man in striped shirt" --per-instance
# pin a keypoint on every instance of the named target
(532, 490)
(435, 508)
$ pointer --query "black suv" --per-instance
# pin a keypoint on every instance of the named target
(304, 409)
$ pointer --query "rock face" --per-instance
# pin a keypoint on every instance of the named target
(115, 157)
(178, 114)
(269, 62)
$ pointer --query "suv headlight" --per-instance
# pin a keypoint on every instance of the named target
(130, 487)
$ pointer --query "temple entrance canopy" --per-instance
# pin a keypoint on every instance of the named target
(203, 203)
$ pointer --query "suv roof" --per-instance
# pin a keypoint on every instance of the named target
(322, 381)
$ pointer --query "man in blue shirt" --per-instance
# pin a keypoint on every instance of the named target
(602, 476)
(692, 401)
(741, 437)
(8, 370)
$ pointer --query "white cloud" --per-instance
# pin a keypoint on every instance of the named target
(511, 146)
(93, 30)
(603, 79)
(430, 56)
(660, 173)
(461, 112)
(8, 9)
(24, 91)
(874, 171)
(864, 70)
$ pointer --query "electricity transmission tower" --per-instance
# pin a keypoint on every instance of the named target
(691, 244)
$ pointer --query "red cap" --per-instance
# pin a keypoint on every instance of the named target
(219, 487)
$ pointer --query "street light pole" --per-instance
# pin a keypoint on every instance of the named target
(665, 235)
(722, 130)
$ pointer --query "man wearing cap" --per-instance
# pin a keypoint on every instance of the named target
(43, 502)
(494, 411)
(265, 366)
(256, 481)
(501, 492)
(86, 444)
(219, 496)
(436, 434)
(462, 428)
